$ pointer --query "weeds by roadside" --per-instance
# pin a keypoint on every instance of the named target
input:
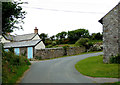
(13, 66)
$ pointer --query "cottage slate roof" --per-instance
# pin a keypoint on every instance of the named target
(22, 44)
(9, 37)
(20, 37)
(25, 37)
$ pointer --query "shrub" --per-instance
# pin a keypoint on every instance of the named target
(10, 65)
(11, 49)
(65, 49)
(115, 59)
(82, 42)
(15, 59)
(88, 45)
(38, 57)
(54, 43)
(49, 46)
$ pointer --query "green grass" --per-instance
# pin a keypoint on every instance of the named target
(62, 45)
(95, 41)
(90, 52)
(94, 67)
(13, 77)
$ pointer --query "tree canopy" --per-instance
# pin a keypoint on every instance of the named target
(43, 36)
(61, 35)
(77, 34)
(12, 14)
(96, 36)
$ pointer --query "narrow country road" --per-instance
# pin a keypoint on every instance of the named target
(60, 70)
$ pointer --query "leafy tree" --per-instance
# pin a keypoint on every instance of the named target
(43, 36)
(96, 36)
(48, 41)
(76, 34)
(12, 14)
(52, 38)
(61, 35)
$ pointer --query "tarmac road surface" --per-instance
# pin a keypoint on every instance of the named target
(60, 70)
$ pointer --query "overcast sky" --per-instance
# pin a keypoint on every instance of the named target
(54, 16)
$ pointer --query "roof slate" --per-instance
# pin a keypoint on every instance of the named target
(21, 44)
(9, 37)
(20, 37)
(24, 37)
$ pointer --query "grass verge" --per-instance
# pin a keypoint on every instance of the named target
(13, 67)
(18, 72)
(94, 67)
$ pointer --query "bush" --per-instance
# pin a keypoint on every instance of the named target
(88, 45)
(38, 57)
(65, 49)
(82, 42)
(54, 43)
(11, 49)
(115, 59)
(49, 46)
(10, 65)
(14, 59)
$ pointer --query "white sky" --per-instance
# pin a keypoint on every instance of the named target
(54, 16)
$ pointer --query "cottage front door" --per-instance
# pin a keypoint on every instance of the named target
(30, 52)
(17, 51)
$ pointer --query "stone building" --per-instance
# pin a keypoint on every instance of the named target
(111, 33)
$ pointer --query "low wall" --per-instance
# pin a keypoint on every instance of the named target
(57, 52)
(75, 50)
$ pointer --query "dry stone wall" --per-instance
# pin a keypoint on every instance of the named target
(23, 51)
(57, 52)
(75, 50)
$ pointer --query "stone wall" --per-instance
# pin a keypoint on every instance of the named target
(23, 51)
(57, 52)
(111, 34)
(75, 50)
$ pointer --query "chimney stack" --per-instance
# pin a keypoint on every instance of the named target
(35, 30)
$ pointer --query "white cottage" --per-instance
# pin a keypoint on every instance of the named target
(23, 44)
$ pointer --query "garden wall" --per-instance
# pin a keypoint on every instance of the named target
(75, 50)
(57, 52)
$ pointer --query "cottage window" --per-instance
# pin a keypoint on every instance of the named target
(6, 50)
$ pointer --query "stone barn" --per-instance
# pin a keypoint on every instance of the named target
(111, 33)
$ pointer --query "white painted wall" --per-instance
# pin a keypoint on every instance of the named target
(36, 37)
(3, 40)
(40, 45)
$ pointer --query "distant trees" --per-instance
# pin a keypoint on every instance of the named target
(52, 38)
(74, 35)
(61, 35)
(96, 36)
(71, 37)
(43, 37)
